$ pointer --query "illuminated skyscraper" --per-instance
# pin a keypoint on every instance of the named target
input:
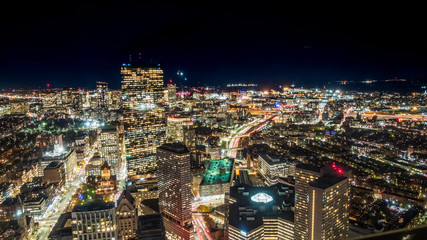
(322, 202)
(175, 190)
(143, 114)
(111, 143)
(171, 94)
(328, 208)
(304, 174)
(102, 91)
(181, 129)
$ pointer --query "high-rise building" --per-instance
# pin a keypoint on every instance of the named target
(304, 174)
(180, 129)
(328, 208)
(102, 92)
(171, 94)
(322, 202)
(175, 190)
(111, 148)
(96, 220)
(143, 114)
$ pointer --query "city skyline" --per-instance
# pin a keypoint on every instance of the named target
(309, 46)
(180, 121)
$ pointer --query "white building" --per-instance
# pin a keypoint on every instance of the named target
(272, 167)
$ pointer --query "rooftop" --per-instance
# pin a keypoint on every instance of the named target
(176, 147)
(253, 204)
(217, 171)
(325, 182)
(272, 159)
(94, 206)
(54, 165)
(308, 167)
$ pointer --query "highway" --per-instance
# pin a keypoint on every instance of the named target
(202, 231)
(234, 141)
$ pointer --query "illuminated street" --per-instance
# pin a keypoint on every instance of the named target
(155, 120)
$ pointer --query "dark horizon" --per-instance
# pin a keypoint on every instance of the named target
(84, 43)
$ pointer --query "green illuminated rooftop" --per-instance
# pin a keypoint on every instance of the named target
(217, 171)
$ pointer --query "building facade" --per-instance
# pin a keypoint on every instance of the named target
(111, 149)
(175, 190)
(127, 216)
(143, 114)
(94, 221)
(328, 208)
(272, 167)
(304, 174)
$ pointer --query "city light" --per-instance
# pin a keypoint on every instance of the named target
(261, 197)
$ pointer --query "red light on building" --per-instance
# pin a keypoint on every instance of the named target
(48, 85)
(340, 171)
(334, 166)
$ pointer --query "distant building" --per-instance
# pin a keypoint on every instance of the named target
(111, 148)
(174, 190)
(67, 156)
(102, 92)
(261, 212)
(95, 220)
(272, 167)
(35, 205)
(172, 95)
(180, 129)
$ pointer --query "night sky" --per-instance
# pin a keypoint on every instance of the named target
(79, 44)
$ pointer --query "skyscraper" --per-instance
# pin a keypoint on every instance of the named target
(171, 94)
(328, 208)
(175, 190)
(322, 202)
(304, 174)
(102, 92)
(181, 129)
(111, 143)
(143, 114)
